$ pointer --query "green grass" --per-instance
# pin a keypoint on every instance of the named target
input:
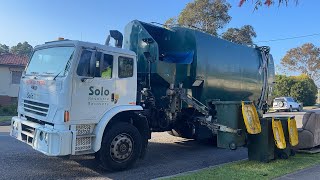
(255, 170)
(5, 118)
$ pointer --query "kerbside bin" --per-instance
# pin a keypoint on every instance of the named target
(228, 113)
(261, 146)
(288, 151)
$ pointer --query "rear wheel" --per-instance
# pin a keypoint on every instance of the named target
(300, 108)
(121, 147)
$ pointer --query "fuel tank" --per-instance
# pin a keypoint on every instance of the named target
(207, 66)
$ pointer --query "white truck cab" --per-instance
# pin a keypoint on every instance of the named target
(69, 93)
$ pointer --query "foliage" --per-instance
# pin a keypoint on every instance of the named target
(5, 118)
(207, 15)
(304, 59)
(305, 90)
(10, 110)
(268, 3)
(4, 49)
(282, 86)
(23, 49)
(171, 21)
(247, 170)
(300, 87)
(243, 35)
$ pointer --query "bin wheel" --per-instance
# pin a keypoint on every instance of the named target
(292, 152)
(283, 155)
(233, 146)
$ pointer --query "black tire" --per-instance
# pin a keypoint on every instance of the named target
(299, 108)
(120, 137)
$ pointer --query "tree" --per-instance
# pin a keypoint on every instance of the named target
(4, 49)
(23, 49)
(304, 59)
(268, 3)
(207, 15)
(300, 87)
(305, 91)
(171, 21)
(282, 86)
(243, 35)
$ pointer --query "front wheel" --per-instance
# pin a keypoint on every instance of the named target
(121, 147)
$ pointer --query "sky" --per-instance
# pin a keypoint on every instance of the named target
(38, 21)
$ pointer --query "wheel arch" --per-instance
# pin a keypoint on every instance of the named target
(120, 114)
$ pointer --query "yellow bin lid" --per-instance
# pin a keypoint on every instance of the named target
(250, 117)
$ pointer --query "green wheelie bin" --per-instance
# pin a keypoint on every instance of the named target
(228, 113)
(261, 146)
(288, 151)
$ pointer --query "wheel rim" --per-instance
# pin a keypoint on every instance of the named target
(121, 147)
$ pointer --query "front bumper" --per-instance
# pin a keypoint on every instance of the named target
(42, 138)
(280, 108)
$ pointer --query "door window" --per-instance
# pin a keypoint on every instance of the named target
(125, 67)
(103, 64)
(84, 63)
(106, 66)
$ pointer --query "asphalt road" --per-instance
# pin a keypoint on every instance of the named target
(167, 155)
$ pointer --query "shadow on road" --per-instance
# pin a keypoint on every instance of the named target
(164, 157)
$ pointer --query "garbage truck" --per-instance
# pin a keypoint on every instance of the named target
(80, 98)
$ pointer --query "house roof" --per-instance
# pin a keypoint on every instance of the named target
(13, 60)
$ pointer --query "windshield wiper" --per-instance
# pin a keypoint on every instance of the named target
(34, 72)
(57, 75)
(66, 68)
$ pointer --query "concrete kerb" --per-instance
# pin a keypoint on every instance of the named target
(194, 171)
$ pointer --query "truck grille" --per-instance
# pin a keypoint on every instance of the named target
(37, 108)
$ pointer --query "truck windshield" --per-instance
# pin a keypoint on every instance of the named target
(49, 61)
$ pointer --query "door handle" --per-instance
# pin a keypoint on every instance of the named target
(112, 97)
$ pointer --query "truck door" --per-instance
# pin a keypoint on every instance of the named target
(93, 88)
(126, 81)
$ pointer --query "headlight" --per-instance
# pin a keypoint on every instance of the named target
(41, 136)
